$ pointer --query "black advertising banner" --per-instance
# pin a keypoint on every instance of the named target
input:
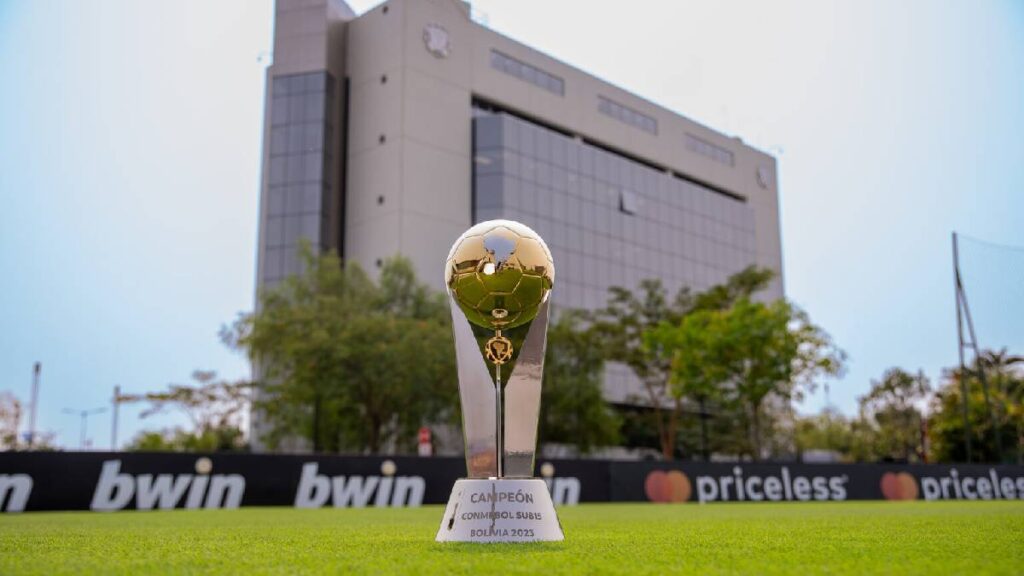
(748, 482)
(144, 481)
(117, 481)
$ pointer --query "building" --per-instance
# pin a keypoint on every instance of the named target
(394, 131)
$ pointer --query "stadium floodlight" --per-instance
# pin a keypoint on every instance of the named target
(499, 276)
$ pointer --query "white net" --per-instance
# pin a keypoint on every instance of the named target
(993, 280)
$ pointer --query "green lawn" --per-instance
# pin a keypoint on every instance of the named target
(852, 538)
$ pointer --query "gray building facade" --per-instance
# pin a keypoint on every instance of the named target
(302, 192)
(394, 131)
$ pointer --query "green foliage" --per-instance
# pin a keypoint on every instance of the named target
(890, 416)
(623, 327)
(222, 439)
(215, 408)
(742, 355)
(573, 410)
(210, 404)
(891, 424)
(696, 368)
(742, 284)
(1006, 395)
(832, 431)
(348, 363)
(150, 441)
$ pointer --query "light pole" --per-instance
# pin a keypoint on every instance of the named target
(36, 369)
(84, 415)
(113, 427)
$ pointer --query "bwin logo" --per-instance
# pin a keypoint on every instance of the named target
(564, 491)
(114, 491)
(14, 490)
(356, 491)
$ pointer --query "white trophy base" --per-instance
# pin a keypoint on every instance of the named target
(500, 510)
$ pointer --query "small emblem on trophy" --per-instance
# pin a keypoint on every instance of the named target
(498, 349)
(499, 276)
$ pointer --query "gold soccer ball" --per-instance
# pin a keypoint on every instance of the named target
(499, 273)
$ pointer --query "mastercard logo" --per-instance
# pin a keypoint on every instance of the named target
(899, 486)
(671, 486)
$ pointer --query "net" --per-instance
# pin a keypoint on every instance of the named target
(993, 280)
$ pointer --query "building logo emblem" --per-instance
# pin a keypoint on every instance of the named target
(435, 38)
(764, 177)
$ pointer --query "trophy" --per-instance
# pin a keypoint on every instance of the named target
(499, 276)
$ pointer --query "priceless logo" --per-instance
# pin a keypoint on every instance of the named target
(954, 485)
(675, 486)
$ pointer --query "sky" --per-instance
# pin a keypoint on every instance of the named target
(130, 137)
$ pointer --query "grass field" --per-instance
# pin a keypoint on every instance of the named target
(835, 538)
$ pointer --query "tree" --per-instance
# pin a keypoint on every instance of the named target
(890, 409)
(621, 326)
(151, 441)
(10, 420)
(178, 440)
(829, 430)
(747, 353)
(400, 375)
(946, 421)
(573, 410)
(215, 408)
(694, 371)
(773, 350)
(292, 340)
(1007, 378)
(348, 363)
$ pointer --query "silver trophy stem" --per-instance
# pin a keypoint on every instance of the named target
(499, 418)
(479, 418)
(522, 402)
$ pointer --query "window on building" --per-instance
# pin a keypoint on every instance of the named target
(527, 73)
(299, 182)
(627, 115)
(629, 202)
(712, 151)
